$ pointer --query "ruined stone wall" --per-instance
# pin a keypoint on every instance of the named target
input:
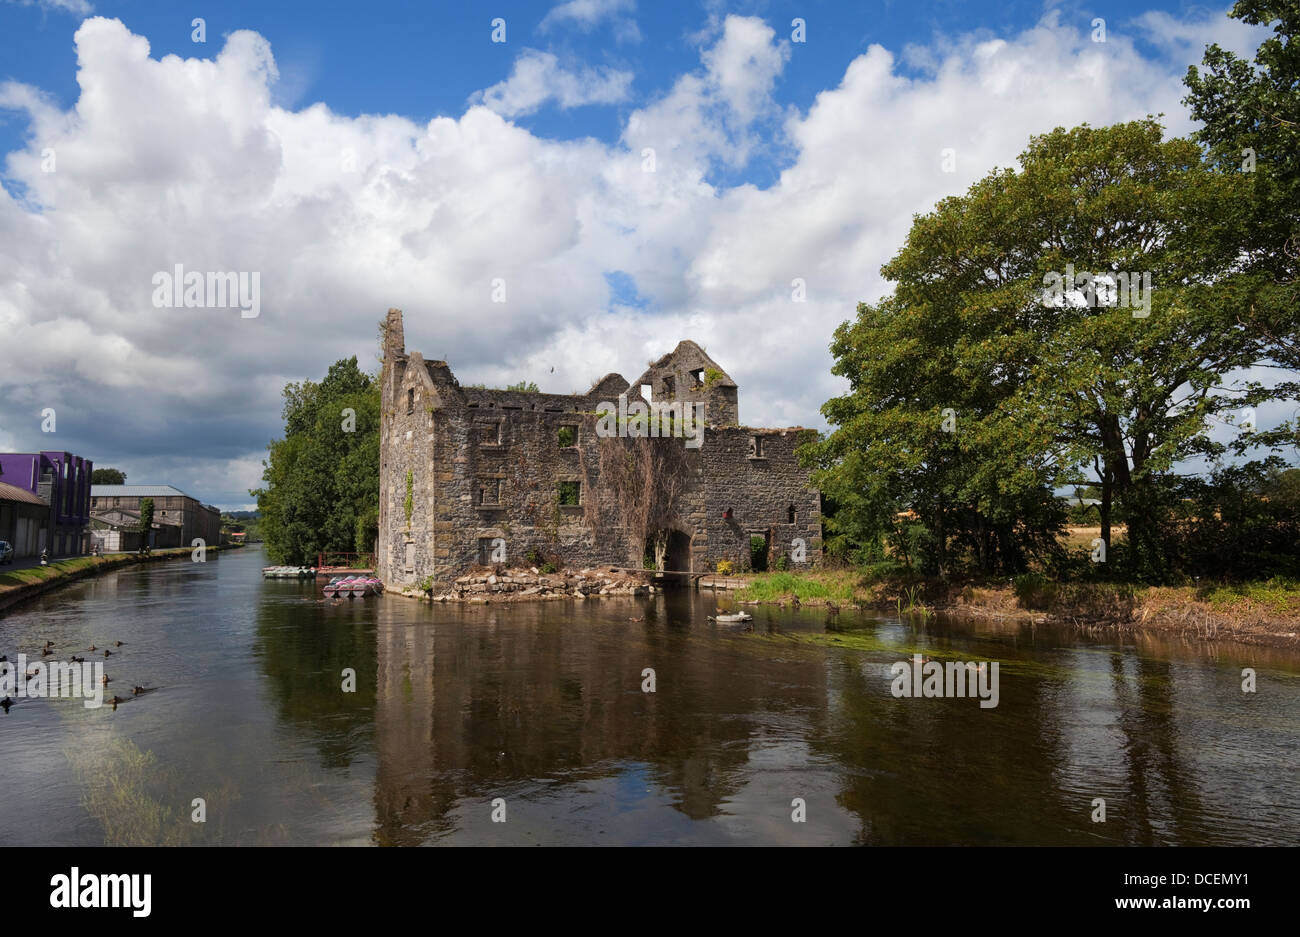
(487, 464)
(758, 489)
(687, 373)
(514, 466)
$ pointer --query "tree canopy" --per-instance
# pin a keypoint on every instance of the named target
(1074, 321)
(321, 491)
(1250, 113)
(107, 476)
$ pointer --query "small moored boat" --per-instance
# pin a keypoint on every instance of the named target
(338, 587)
(288, 572)
(363, 586)
(733, 618)
(352, 587)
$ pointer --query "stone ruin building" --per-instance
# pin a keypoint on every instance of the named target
(477, 477)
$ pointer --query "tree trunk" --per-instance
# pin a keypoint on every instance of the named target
(941, 542)
(1107, 493)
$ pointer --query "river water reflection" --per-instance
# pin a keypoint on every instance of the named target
(542, 706)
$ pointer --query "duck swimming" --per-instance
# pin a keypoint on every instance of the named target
(107, 652)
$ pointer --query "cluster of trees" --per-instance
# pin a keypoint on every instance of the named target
(107, 476)
(1022, 352)
(321, 481)
(248, 523)
(321, 492)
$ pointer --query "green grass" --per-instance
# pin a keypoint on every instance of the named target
(60, 568)
(773, 587)
(1278, 595)
(55, 570)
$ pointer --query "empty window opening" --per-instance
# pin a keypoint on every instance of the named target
(410, 400)
(568, 436)
(756, 447)
(790, 515)
(670, 387)
(646, 392)
(489, 432)
(570, 494)
(489, 491)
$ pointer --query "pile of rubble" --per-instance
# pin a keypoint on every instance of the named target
(512, 585)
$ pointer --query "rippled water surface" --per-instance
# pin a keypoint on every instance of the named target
(542, 706)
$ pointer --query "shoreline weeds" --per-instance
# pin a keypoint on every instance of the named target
(1097, 609)
(68, 570)
(1193, 623)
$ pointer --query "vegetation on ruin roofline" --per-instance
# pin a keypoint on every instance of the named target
(523, 387)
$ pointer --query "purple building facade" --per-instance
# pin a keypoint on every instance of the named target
(61, 480)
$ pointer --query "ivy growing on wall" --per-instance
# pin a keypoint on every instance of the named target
(645, 477)
(409, 503)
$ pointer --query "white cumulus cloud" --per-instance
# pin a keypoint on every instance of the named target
(538, 77)
(188, 161)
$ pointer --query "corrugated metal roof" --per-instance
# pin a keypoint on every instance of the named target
(137, 491)
(14, 493)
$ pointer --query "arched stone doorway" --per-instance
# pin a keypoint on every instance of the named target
(675, 567)
(678, 557)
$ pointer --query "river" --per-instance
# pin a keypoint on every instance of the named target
(536, 715)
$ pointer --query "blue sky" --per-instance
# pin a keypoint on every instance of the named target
(390, 154)
(422, 60)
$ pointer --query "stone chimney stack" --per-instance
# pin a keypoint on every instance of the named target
(394, 336)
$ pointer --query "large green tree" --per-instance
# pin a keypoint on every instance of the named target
(321, 490)
(1250, 112)
(977, 390)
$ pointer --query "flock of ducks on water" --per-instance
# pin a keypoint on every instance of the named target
(48, 650)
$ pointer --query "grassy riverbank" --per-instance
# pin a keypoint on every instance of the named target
(20, 584)
(1252, 612)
